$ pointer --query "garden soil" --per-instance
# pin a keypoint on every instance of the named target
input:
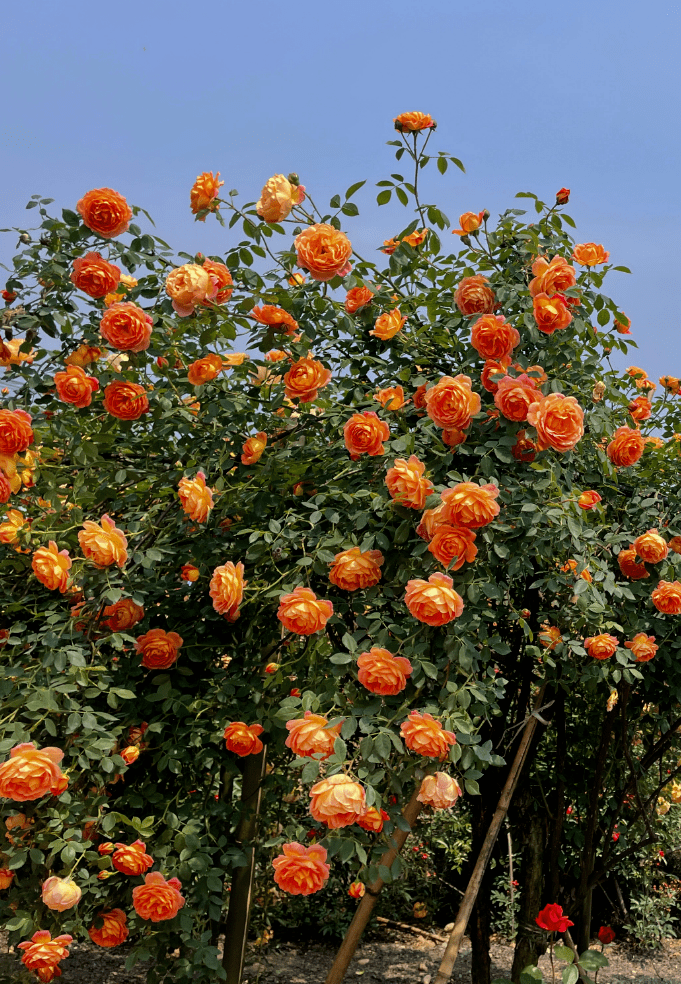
(393, 957)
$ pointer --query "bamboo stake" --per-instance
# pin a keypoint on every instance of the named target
(236, 926)
(347, 948)
(452, 951)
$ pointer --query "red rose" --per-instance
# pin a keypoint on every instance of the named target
(551, 919)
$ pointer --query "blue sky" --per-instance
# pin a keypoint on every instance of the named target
(142, 96)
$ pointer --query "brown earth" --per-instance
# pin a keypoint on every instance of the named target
(392, 956)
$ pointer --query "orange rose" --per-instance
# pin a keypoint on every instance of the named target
(415, 238)
(130, 754)
(6, 878)
(387, 325)
(30, 773)
(301, 870)
(352, 570)
(550, 313)
(558, 420)
(204, 370)
(42, 954)
(127, 401)
(275, 317)
(469, 222)
(588, 499)
(227, 589)
(105, 212)
(589, 254)
(16, 432)
(473, 296)
(11, 354)
(549, 636)
(651, 547)
(524, 449)
(113, 931)
(383, 673)
(601, 646)
(552, 276)
(123, 615)
(667, 597)
(222, 278)
(190, 286)
(643, 647)
(392, 397)
(304, 379)
(105, 544)
(431, 520)
(14, 522)
(311, 736)
(439, 791)
(196, 497)
(451, 402)
(302, 613)
(357, 890)
(494, 367)
(50, 566)
(493, 338)
(159, 648)
(674, 544)
(60, 894)
(434, 601)
(203, 193)
(671, 384)
(253, 448)
(94, 276)
(623, 326)
(235, 359)
(127, 327)
(364, 433)
(373, 820)
(83, 356)
(242, 739)
(426, 736)
(278, 198)
(157, 899)
(515, 396)
(389, 246)
(128, 283)
(640, 408)
(626, 447)
(406, 483)
(74, 386)
(337, 801)
(414, 122)
(324, 252)
(453, 543)
(470, 505)
(358, 297)
(628, 565)
(420, 396)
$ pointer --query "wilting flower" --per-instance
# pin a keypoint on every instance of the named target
(439, 791)
(312, 735)
(301, 870)
(337, 801)
(278, 198)
(406, 482)
(157, 899)
(353, 569)
(426, 736)
(242, 739)
(382, 673)
(324, 251)
(302, 612)
(105, 212)
(203, 193)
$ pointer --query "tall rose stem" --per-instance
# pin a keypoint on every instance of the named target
(365, 907)
(447, 965)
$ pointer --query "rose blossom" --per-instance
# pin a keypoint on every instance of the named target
(196, 497)
(651, 547)
(337, 801)
(94, 275)
(157, 899)
(551, 919)
(364, 433)
(324, 251)
(629, 566)
(123, 615)
(391, 398)
(625, 447)
(514, 396)
(406, 482)
(227, 589)
(426, 736)
(301, 612)
(278, 198)
(550, 313)
(413, 122)
(75, 387)
(642, 646)
(50, 566)
(451, 542)
(190, 286)
(452, 403)
(470, 505)
(352, 570)
(473, 296)
(311, 735)
(204, 370)
(304, 379)
(127, 401)
(15, 431)
(601, 646)
(558, 420)
(358, 297)
(42, 954)
(589, 254)
(434, 601)
(127, 327)
(373, 820)
(30, 773)
(159, 648)
(382, 673)
(105, 212)
(301, 870)
(203, 193)
(588, 499)
(388, 324)
(276, 318)
(113, 931)
(253, 448)
(494, 338)
(60, 894)
(242, 739)
(439, 791)
(552, 276)
(103, 544)
(667, 597)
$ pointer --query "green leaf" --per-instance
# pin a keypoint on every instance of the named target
(591, 960)
(353, 188)
(350, 209)
(455, 160)
(383, 197)
(570, 975)
(531, 974)
(442, 164)
(564, 953)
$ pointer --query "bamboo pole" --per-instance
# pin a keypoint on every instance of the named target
(236, 926)
(347, 948)
(452, 951)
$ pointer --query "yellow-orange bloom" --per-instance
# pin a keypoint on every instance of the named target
(651, 547)
(123, 615)
(157, 899)
(113, 930)
(337, 801)
(671, 384)
(127, 327)
(105, 212)
(311, 736)
(304, 379)
(388, 324)
(275, 317)
(159, 648)
(494, 338)
(439, 791)
(278, 198)
(383, 673)
(9, 529)
(667, 597)
(352, 570)
(50, 566)
(222, 278)
(242, 739)
(302, 612)
(514, 396)
(11, 354)
(103, 544)
(451, 403)
(130, 754)
(469, 222)
(641, 408)
(549, 636)
(451, 543)
(643, 647)
(392, 397)
(94, 275)
(196, 497)
(190, 573)
(16, 432)
(588, 499)
(190, 286)
(127, 401)
(413, 122)
(552, 276)
(589, 254)
(324, 251)
(434, 601)
(358, 888)
(42, 954)
(364, 433)
(203, 193)
(301, 870)
(227, 589)
(426, 736)
(406, 482)
(628, 565)
(358, 297)
(30, 773)
(6, 878)
(373, 820)
(602, 646)
(626, 447)
(415, 238)
(469, 505)
(204, 370)
(83, 355)
(474, 296)
(235, 359)
(558, 420)
(674, 544)
(74, 386)
(253, 448)
(550, 313)
(60, 894)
